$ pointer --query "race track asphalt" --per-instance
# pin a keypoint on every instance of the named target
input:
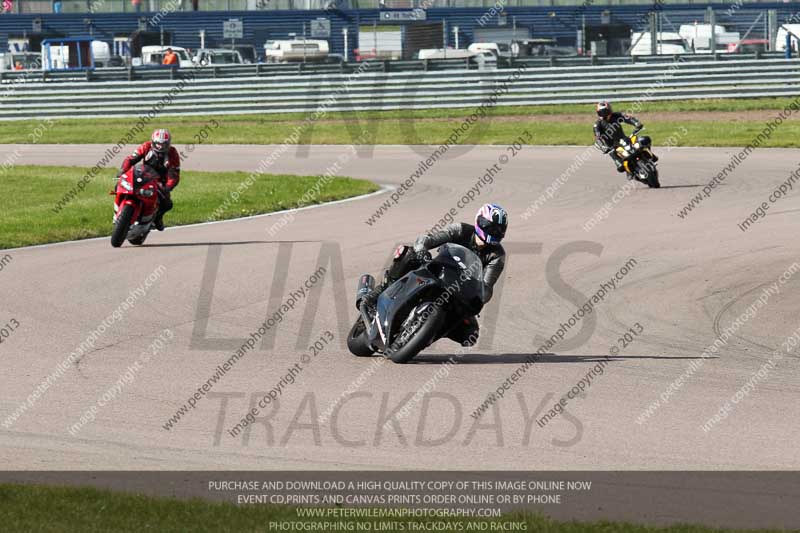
(691, 279)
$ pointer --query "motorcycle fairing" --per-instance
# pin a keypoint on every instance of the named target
(391, 304)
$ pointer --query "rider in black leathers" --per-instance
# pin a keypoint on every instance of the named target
(608, 131)
(483, 238)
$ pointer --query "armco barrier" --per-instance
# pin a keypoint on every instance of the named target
(376, 90)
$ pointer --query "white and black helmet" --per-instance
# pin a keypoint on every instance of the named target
(603, 109)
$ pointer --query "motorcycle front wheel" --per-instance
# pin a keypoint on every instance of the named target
(418, 334)
(121, 226)
(357, 341)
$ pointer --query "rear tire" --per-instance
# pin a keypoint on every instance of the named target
(121, 226)
(424, 337)
(357, 340)
(138, 241)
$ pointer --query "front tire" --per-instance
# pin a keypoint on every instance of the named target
(357, 341)
(424, 337)
(121, 226)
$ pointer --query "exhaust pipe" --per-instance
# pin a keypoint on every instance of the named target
(365, 286)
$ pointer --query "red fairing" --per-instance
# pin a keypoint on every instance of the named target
(144, 205)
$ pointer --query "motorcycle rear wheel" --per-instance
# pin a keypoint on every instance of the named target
(121, 226)
(425, 335)
(652, 179)
(138, 241)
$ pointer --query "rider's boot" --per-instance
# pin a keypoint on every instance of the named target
(158, 223)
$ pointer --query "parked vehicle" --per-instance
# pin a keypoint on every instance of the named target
(135, 205)
(793, 31)
(419, 308)
(28, 60)
(497, 49)
(749, 46)
(698, 38)
(541, 47)
(246, 51)
(637, 158)
(485, 60)
(154, 54)
(668, 43)
(296, 50)
(442, 53)
(217, 56)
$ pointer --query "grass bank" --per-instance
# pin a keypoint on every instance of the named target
(31, 192)
(727, 122)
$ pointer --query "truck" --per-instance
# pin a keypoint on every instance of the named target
(284, 51)
(154, 54)
(668, 43)
(217, 56)
(28, 60)
(698, 38)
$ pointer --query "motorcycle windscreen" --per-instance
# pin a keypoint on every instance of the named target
(393, 302)
(461, 271)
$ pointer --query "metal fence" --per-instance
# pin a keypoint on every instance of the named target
(371, 90)
(134, 6)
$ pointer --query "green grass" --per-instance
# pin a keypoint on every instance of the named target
(433, 126)
(88, 510)
(31, 192)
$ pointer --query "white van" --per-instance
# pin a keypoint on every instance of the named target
(296, 50)
(441, 53)
(669, 43)
(498, 49)
(793, 30)
(101, 51)
(28, 60)
(698, 38)
(217, 56)
(153, 55)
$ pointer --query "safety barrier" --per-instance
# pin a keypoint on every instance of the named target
(371, 88)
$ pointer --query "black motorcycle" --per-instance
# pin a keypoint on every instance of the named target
(637, 158)
(421, 307)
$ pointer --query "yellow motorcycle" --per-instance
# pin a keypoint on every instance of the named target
(638, 159)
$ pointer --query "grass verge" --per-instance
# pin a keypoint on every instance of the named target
(31, 192)
(432, 126)
(89, 510)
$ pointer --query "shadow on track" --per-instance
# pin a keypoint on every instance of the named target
(228, 243)
(682, 186)
(519, 358)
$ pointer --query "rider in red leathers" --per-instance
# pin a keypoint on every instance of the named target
(161, 156)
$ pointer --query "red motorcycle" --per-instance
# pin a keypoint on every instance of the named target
(135, 205)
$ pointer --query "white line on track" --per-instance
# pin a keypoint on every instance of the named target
(383, 189)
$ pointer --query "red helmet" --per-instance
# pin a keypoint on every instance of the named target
(161, 140)
(603, 109)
